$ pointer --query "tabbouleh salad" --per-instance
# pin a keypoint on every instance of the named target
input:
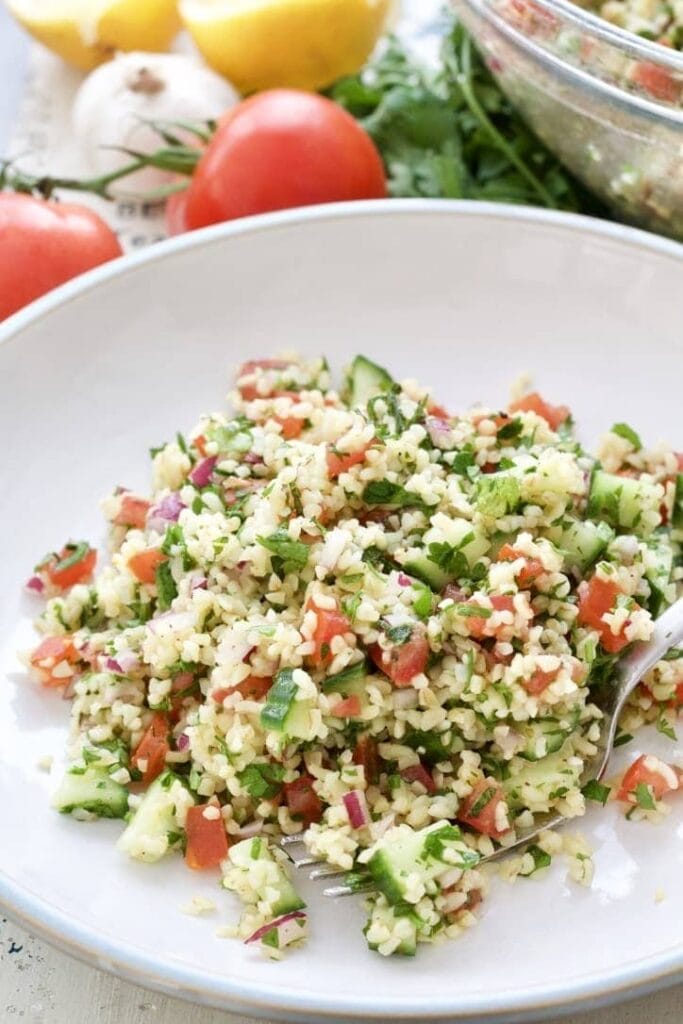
(359, 615)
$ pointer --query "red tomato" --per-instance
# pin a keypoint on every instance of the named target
(366, 754)
(483, 799)
(331, 623)
(279, 149)
(348, 708)
(337, 464)
(291, 426)
(596, 598)
(302, 800)
(531, 570)
(554, 415)
(149, 757)
(132, 512)
(645, 770)
(656, 80)
(145, 564)
(200, 444)
(251, 688)
(175, 213)
(74, 564)
(249, 391)
(480, 627)
(403, 662)
(207, 843)
(44, 243)
(418, 773)
(51, 652)
(539, 682)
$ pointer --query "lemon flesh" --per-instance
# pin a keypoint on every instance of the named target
(87, 32)
(304, 44)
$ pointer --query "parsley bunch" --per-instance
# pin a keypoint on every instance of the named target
(453, 133)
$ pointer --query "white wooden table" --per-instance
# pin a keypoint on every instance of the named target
(39, 985)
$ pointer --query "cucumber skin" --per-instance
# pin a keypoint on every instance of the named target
(99, 794)
(365, 380)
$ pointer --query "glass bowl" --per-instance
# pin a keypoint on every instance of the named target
(607, 102)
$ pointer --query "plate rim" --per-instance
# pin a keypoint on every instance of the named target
(144, 967)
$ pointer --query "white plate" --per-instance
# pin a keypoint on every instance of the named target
(464, 296)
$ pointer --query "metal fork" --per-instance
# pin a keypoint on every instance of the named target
(668, 632)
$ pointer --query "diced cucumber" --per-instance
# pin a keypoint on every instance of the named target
(582, 542)
(242, 858)
(546, 735)
(402, 853)
(677, 516)
(92, 790)
(383, 916)
(153, 830)
(341, 681)
(282, 712)
(538, 784)
(425, 569)
(438, 564)
(365, 380)
(622, 500)
(658, 573)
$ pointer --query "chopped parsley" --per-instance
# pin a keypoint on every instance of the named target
(628, 434)
(167, 590)
(288, 555)
(594, 790)
(497, 495)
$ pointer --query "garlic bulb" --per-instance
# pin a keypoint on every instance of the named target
(116, 99)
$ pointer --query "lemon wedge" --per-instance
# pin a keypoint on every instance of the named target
(305, 44)
(87, 32)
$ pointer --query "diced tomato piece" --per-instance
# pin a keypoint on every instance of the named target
(74, 564)
(418, 773)
(539, 682)
(679, 459)
(251, 688)
(207, 843)
(554, 415)
(291, 426)
(596, 598)
(248, 391)
(302, 800)
(404, 661)
(656, 80)
(149, 757)
(145, 564)
(200, 444)
(339, 463)
(331, 623)
(679, 694)
(531, 569)
(51, 652)
(478, 810)
(350, 707)
(649, 771)
(481, 627)
(366, 754)
(438, 411)
(132, 512)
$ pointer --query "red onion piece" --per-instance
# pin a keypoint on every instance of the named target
(439, 431)
(357, 808)
(168, 509)
(199, 583)
(404, 581)
(279, 923)
(123, 662)
(35, 584)
(252, 459)
(201, 474)
(171, 622)
(183, 741)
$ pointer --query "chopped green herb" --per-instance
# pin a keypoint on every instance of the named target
(644, 797)
(622, 738)
(182, 443)
(262, 780)
(629, 434)
(290, 555)
(422, 602)
(665, 727)
(463, 461)
(383, 492)
(594, 790)
(481, 802)
(399, 634)
(541, 858)
(510, 431)
(472, 611)
(76, 553)
(166, 585)
(350, 605)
